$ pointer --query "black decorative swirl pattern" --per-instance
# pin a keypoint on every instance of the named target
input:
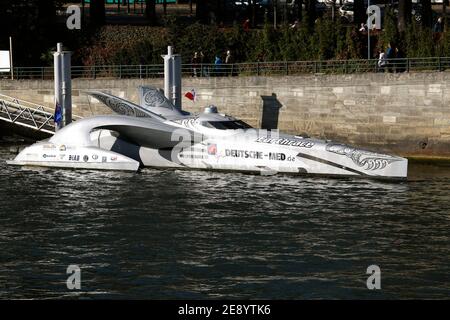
(120, 107)
(190, 123)
(366, 159)
(153, 98)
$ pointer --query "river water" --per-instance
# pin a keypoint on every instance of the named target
(161, 234)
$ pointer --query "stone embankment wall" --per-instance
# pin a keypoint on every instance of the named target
(406, 113)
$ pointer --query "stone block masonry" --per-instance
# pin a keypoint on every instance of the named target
(402, 113)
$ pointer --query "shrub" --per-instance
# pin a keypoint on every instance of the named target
(323, 41)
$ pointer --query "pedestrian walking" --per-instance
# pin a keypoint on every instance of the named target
(381, 61)
(217, 65)
(229, 63)
(195, 61)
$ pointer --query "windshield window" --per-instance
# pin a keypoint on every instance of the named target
(224, 125)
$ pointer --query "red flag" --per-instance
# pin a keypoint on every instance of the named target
(191, 95)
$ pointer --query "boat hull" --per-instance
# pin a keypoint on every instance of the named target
(296, 156)
(61, 156)
(125, 143)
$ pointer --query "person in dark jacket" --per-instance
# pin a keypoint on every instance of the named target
(217, 66)
(390, 55)
(439, 25)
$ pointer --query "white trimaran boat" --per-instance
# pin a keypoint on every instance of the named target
(157, 134)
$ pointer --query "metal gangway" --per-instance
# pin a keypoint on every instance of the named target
(27, 114)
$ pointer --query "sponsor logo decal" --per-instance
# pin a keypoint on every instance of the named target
(49, 156)
(191, 156)
(62, 148)
(193, 153)
(243, 154)
(85, 158)
(246, 154)
(61, 156)
(277, 156)
(212, 149)
(104, 159)
(74, 157)
(95, 157)
(286, 142)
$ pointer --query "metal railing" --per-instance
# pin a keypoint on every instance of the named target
(28, 114)
(244, 69)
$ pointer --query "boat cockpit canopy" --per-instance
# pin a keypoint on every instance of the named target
(226, 125)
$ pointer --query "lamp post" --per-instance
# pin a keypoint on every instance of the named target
(275, 4)
(63, 84)
(172, 77)
(11, 66)
(368, 30)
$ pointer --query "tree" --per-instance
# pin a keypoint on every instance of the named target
(47, 11)
(426, 13)
(404, 14)
(83, 6)
(219, 10)
(389, 34)
(359, 12)
(311, 12)
(150, 11)
(97, 12)
(299, 4)
(202, 11)
(253, 14)
(32, 25)
(333, 9)
(444, 7)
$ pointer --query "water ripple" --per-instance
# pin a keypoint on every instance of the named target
(196, 234)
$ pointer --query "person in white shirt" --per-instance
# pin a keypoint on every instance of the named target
(381, 61)
(363, 28)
